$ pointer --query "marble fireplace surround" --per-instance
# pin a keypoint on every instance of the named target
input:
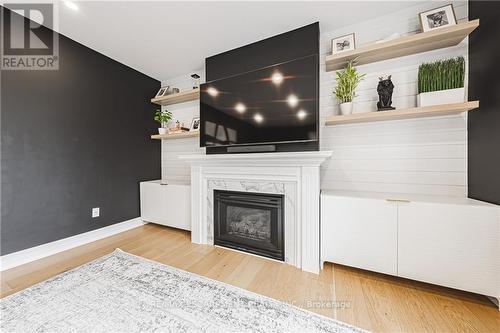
(296, 175)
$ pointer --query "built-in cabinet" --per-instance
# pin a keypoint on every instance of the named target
(453, 242)
(451, 245)
(360, 232)
(166, 203)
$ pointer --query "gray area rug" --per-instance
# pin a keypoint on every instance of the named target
(121, 292)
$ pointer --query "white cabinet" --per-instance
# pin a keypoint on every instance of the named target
(168, 205)
(153, 198)
(359, 232)
(457, 246)
(453, 242)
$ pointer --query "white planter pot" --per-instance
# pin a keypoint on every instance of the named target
(345, 108)
(162, 130)
(441, 97)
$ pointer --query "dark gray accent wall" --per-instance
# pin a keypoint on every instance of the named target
(73, 139)
(484, 85)
(294, 44)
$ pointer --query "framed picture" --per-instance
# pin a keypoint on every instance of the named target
(438, 18)
(162, 92)
(195, 124)
(343, 43)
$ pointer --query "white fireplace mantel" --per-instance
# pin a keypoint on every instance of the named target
(296, 175)
(303, 158)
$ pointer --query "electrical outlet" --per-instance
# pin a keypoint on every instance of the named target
(95, 212)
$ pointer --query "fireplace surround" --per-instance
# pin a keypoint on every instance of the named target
(294, 175)
(250, 222)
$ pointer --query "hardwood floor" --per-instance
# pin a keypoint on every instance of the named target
(369, 300)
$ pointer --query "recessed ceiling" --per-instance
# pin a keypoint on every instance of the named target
(167, 39)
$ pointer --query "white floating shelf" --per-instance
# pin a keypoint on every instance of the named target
(183, 96)
(426, 111)
(403, 46)
(172, 136)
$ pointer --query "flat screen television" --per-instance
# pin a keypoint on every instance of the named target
(271, 105)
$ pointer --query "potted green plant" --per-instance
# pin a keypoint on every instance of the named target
(347, 82)
(441, 82)
(163, 117)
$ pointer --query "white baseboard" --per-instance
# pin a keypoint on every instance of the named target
(41, 251)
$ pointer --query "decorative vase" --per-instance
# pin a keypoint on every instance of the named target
(162, 130)
(345, 108)
(448, 96)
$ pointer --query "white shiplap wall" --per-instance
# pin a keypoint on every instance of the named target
(426, 156)
(171, 166)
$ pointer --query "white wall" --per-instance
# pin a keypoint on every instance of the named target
(171, 166)
(425, 155)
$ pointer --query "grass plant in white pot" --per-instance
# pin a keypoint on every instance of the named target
(347, 82)
(441, 82)
(162, 117)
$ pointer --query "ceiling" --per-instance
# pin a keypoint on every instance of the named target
(166, 39)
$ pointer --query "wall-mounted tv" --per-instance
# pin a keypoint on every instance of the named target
(272, 105)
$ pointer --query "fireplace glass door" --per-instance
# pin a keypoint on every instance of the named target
(250, 222)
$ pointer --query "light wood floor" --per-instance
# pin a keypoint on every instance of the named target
(369, 300)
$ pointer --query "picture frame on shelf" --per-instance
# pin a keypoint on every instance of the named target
(162, 92)
(438, 18)
(344, 43)
(195, 124)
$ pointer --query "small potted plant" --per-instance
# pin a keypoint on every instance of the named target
(441, 82)
(163, 117)
(347, 82)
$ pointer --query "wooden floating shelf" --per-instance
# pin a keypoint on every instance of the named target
(172, 136)
(183, 96)
(426, 111)
(407, 45)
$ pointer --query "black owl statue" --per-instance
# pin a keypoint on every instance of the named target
(384, 89)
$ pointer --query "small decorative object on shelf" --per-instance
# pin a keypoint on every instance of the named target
(195, 80)
(347, 82)
(441, 82)
(384, 89)
(167, 90)
(162, 117)
(343, 43)
(177, 128)
(438, 18)
(171, 90)
(195, 124)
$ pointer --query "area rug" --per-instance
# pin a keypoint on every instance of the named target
(121, 292)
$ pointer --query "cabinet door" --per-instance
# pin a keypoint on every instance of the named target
(153, 198)
(451, 245)
(178, 206)
(359, 232)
